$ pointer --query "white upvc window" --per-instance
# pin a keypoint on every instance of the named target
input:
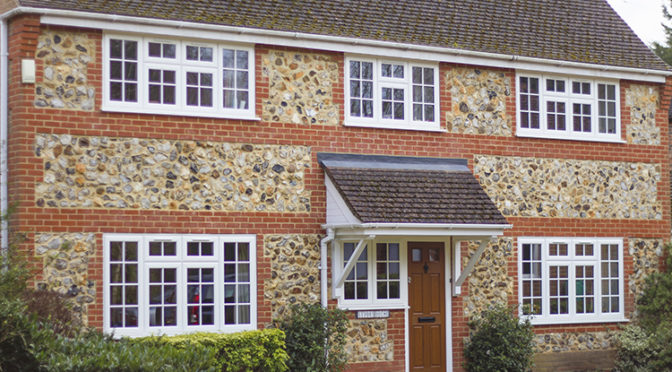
(393, 94)
(177, 77)
(376, 278)
(568, 108)
(171, 284)
(571, 280)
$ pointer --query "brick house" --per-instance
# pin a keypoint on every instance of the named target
(199, 166)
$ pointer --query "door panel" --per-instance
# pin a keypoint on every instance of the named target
(427, 306)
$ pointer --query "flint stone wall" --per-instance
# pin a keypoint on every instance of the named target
(535, 187)
(65, 57)
(65, 258)
(561, 342)
(295, 273)
(646, 255)
(300, 88)
(489, 282)
(367, 341)
(642, 101)
(478, 102)
(134, 173)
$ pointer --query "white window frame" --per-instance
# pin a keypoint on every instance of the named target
(181, 262)
(181, 66)
(569, 99)
(379, 82)
(572, 260)
(372, 302)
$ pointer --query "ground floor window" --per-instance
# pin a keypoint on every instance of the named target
(568, 280)
(375, 277)
(168, 284)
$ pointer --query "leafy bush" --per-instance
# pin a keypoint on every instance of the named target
(500, 342)
(655, 304)
(261, 350)
(53, 308)
(315, 338)
(644, 345)
(19, 333)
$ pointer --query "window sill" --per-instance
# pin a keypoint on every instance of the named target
(398, 126)
(153, 111)
(567, 320)
(349, 307)
(566, 137)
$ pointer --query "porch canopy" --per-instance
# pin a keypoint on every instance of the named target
(373, 195)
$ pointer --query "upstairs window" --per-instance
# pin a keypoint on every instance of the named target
(178, 77)
(571, 280)
(391, 94)
(568, 108)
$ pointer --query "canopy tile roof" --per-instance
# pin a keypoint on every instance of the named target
(387, 189)
(587, 31)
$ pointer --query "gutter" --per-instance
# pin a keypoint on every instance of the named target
(262, 33)
(448, 226)
(323, 266)
(4, 131)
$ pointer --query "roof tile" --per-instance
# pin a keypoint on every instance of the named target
(587, 31)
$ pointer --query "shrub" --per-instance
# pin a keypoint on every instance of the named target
(500, 342)
(315, 338)
(644, 345)
(92, 351)
(261, 350)
(654, 306)
(53, 308)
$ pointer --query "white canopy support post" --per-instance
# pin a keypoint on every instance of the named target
(351, 262)
(472, 261)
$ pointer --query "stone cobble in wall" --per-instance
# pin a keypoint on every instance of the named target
(65, 58)
(642, 100)
(301, 88)
(478, 102)
(646, 255)
(65, 267)
(535, 187)
(489, 282)
(134, 173)
(573, 341)
(367, 341)
(295, 273)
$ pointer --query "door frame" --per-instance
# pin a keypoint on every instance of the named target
(448, 262)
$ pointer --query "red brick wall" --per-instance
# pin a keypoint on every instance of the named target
(26, 170)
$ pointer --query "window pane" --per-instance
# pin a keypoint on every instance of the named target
(241, 59)
(154, 50)
(116, 48)
(367, 70)
(417, 75)
(192, 53)
(354, 69)
(428, 76)
(228, 58)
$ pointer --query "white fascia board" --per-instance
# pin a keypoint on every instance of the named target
(368, 47)
(463, 231)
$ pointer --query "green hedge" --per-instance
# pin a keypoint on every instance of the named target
(262, 350)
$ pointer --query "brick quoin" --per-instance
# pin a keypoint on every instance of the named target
(27, 170)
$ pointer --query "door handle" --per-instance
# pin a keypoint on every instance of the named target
(426, 319)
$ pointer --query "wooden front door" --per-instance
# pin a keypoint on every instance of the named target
(426, 295)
